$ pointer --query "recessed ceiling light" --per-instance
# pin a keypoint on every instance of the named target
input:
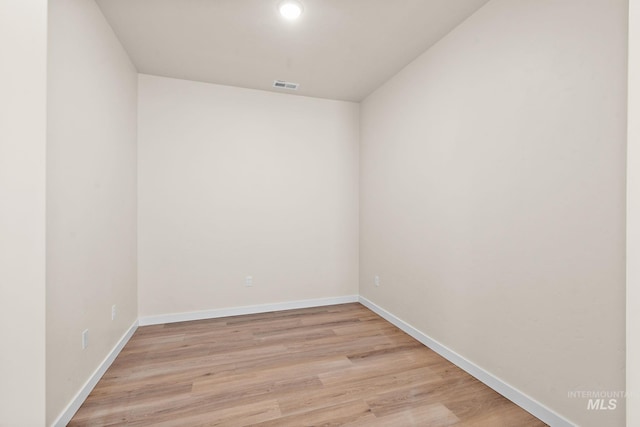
(290, 9)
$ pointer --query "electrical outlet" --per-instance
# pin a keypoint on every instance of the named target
(113, 312)
(376, 280)
(85, 339)
(248, 281)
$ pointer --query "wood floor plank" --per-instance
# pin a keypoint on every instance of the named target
(436, 415)
(237, 416)
(350, 390)
(335, 415)
(292, 371)
(333, 365)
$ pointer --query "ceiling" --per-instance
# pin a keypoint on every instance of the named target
(338, 49)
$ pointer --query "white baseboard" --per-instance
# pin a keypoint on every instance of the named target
(516, 396)
(71, 409)
(521, 399)
(238, 311)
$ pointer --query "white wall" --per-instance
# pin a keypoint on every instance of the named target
(633, 218)
(238, 182)
(23, 46)
(91, 196)
(493, 197)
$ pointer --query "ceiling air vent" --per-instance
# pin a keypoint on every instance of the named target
(285, 85)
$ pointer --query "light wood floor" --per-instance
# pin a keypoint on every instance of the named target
(336, 365)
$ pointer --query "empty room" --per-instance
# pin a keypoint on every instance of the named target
(319, 212)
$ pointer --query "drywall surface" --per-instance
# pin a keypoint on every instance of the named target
(238, 182)
(493, 198)
(23, 94)
(633, 218)
(91, 196)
